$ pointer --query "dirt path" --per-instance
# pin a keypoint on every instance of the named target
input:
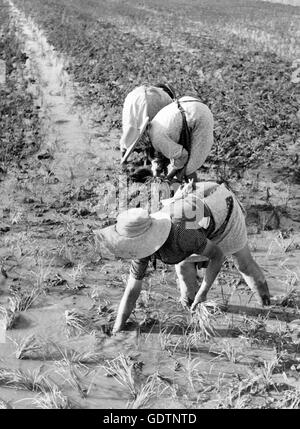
(52, 205)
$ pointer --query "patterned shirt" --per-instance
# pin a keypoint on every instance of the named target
(180, 244)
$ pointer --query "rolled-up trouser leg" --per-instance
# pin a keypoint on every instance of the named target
(187, 281)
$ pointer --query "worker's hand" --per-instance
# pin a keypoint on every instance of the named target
(186, 302)
(155, 167)
(172, 174)
(198, 299)
(117, 332)
(183, 190)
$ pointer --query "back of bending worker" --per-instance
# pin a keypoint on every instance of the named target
(182, 134)
(206, 224)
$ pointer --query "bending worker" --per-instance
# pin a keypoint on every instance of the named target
(181, 133)
(205, 224)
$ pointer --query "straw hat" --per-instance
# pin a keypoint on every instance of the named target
(136, 234)
(140, 107)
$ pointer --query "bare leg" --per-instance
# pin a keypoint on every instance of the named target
(187, 281)
(253, 275)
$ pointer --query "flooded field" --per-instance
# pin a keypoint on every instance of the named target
(59, 288)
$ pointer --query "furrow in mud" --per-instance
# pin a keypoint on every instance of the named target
(66, 132)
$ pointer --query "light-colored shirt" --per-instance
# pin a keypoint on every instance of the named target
(166, 128)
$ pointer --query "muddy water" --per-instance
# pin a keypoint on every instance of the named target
(79, 152)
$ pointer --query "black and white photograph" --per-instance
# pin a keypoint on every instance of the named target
(149, 207)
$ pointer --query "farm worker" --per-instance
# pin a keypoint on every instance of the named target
(205, 224)
(140, 107)
(182, 132)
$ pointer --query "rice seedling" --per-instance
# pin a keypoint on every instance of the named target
(166, 341)
(267, 371)
(192, 340)
(23, 300)
(33, 381)
(203, 319)
(55, 351)
(29, 347)
(85, 357)
(78, 272)
(77, 323)
(291, 399)
(188, 341)
(9, 317)
(65, 366)
(250, 326)
(16, 216)
(233, 400)
(122, 370)
(190, 368)
(229, 352)
(148, 391)
(53, 399)
(42, 274)
(173, 322)
(289, 299)
(226, 298)
(5, 405)
(218, 386)
(184, 342)
(66, 253)
(97, 297)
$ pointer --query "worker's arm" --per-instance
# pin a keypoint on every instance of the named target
(162, 142)
(216, 259)
(132, 291)
(127, 304)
